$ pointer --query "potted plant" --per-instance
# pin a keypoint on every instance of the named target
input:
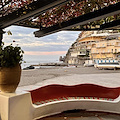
(10, 67)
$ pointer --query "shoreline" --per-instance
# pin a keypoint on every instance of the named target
(51, 64)
(27, 66)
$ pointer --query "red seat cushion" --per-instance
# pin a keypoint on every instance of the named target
(83, 90)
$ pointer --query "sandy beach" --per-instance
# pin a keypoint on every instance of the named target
(69, 76)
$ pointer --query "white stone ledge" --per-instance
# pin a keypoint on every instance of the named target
(18, 106)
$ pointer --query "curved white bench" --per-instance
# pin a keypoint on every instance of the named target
(56, 107)
(54, 99)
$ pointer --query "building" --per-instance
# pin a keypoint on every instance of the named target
(94, 45)
(107, 48)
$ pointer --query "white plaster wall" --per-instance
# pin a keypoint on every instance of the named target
(58, 107)
(16, 106)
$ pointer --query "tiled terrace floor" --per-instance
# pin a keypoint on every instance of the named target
(83, 115)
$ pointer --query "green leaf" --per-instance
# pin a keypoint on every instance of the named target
(10, 55)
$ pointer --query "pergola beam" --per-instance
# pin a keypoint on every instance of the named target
(1, 36)
(81, 20)
(112, 25)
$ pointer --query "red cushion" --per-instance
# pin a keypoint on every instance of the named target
(82, 90)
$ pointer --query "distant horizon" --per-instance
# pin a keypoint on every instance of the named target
(38, 59)
(41, 58)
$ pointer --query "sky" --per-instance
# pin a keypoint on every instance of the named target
(47, 47)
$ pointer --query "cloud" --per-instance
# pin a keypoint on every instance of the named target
(60, 41)
(46, 48)
(44, 53)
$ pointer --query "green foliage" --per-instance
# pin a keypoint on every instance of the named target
(10, 56)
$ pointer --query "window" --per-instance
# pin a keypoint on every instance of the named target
(112, 50)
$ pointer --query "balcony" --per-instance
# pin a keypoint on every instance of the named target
(107, 52)
(82, 54)
(117, 45)
(94, 52)
(101, 46)
(103, 52)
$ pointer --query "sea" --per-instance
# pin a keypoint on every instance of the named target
(38, 59)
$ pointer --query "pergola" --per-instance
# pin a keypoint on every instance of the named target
(50, 16)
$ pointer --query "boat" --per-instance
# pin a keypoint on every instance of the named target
(28, 68)
(110, 65)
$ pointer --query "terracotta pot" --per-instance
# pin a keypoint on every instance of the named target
(10, 78)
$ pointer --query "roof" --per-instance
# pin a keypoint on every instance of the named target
(50, 16)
